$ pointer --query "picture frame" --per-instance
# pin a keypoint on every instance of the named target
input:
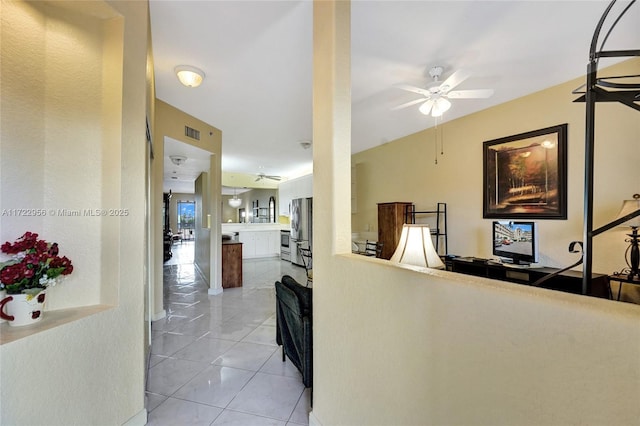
(525, 175)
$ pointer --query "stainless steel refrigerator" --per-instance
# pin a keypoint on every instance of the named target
(301, 227)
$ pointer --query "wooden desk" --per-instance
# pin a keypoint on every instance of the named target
(622, 279)
(231, 264)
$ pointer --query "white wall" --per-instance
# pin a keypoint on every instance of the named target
(397, 346)
(70, 91)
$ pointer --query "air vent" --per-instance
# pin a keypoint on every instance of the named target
(192, 133)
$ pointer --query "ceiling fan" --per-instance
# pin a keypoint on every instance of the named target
(436, 95)
(263, 176)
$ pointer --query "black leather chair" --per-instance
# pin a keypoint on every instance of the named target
(294, 330)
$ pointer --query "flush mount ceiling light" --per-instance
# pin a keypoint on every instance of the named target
(178, 160)
(189, 76)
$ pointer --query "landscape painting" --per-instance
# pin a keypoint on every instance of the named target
(525, 175)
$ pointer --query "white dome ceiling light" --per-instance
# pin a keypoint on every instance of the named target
(189, 76)
(178, 160)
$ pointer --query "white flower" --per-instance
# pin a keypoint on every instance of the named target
(19, 256)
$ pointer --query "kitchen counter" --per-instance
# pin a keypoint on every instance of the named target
(239, 227)
(259, 239)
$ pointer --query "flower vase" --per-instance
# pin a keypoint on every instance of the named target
(22, 309)
(3, 294)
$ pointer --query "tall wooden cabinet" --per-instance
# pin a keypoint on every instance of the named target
(391, 217)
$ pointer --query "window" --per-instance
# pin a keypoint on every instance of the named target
(186, 214)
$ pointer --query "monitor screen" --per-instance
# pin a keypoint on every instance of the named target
(515, 241)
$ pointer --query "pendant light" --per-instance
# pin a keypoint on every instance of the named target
(235, 202)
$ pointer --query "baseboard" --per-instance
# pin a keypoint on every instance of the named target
(202, 275)
(214, 291)
(160, 315)
(140, 419)
(313, 420)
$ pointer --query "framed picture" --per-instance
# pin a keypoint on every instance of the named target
(525, 175)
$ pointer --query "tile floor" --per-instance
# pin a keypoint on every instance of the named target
(214, 359)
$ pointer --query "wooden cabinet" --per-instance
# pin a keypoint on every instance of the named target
(391, 217)
(231, 264)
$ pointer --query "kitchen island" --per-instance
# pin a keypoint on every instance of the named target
(259, 239)
(231, 264)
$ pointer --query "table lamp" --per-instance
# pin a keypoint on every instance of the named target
(632, 254)
(416, 248)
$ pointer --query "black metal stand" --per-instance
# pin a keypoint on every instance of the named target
(596, 91)
(439, 231)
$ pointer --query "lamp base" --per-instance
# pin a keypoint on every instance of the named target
(632, 255)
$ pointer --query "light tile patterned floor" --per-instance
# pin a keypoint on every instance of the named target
(214, 359)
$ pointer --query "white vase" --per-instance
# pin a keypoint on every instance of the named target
(3, 294)
(23, 309)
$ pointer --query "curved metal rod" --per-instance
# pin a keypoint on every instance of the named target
(596, 33)
(571, 250)
(615, 23)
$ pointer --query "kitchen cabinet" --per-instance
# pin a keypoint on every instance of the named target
(301, 187)
(260, 244)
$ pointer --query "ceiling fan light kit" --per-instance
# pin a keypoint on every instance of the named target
(436, 96)
(189, 76)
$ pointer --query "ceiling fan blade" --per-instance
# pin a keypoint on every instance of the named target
(413, 89)
(455, 79)
(408, 104)
(426, 107)
(273, 177)
(470, 94)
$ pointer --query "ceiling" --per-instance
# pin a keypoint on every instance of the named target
(257, 57)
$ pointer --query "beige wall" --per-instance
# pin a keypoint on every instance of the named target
(73, 87)
(404, 170)
(170, 122)
(398, 346)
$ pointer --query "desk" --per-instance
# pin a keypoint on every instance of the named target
(568, 281)
(622, 279)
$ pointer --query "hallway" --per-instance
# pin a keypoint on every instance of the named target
(214, 360)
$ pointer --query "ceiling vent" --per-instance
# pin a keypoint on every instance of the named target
(192, 133)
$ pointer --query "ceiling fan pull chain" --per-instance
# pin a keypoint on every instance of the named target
(435, 142)
(442, 140)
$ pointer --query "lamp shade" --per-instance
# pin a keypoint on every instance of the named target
(189, 76)
(416, 248)
(628, 207)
